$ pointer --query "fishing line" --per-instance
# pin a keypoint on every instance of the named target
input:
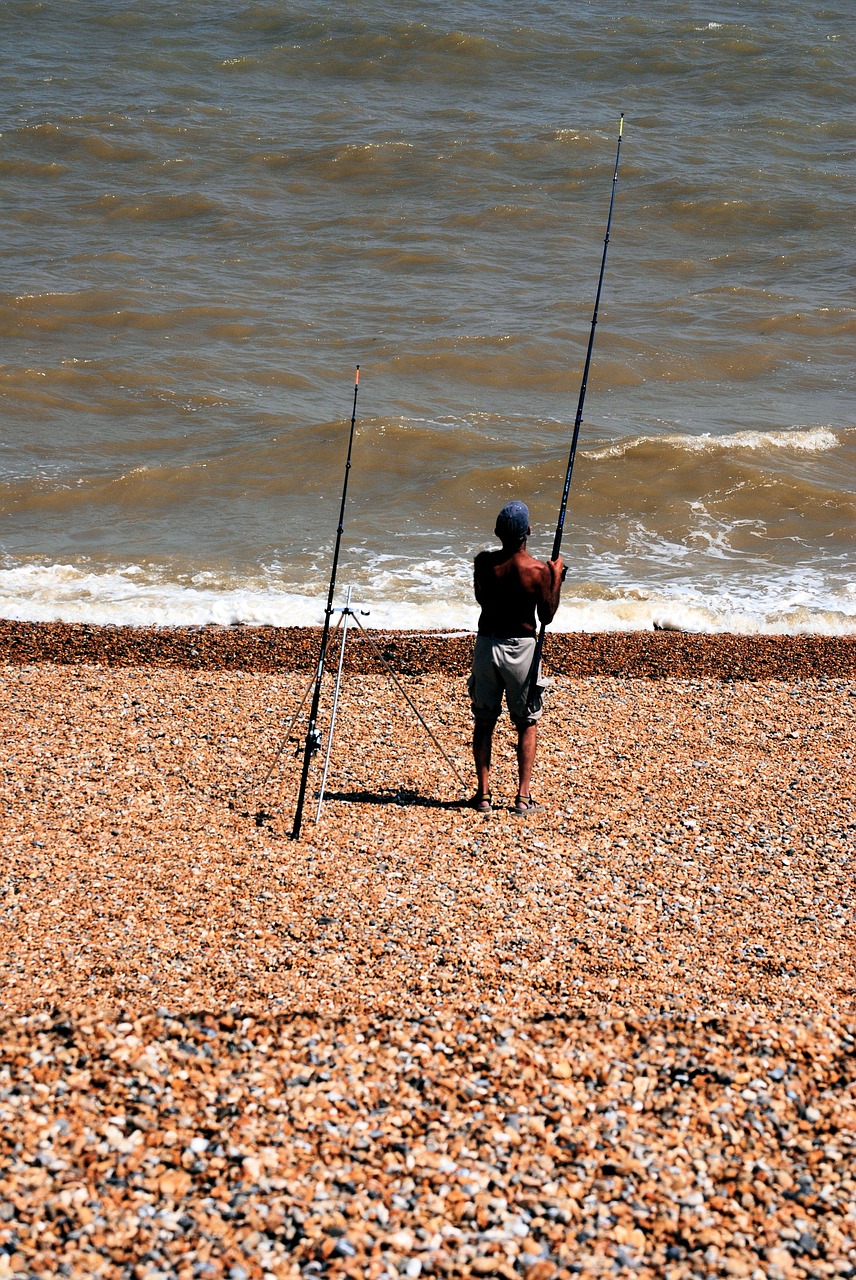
(401, 689)
(560, 525)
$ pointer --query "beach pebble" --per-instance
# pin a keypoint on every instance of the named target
(617, 1040)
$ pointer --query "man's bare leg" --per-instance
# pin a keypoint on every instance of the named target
(527, 741)
(482, 748)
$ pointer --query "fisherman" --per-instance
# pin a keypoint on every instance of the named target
(511, 586)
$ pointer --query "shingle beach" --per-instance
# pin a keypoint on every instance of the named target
(615, 1037)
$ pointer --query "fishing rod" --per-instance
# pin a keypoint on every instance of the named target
(560, 526)
(313, 734)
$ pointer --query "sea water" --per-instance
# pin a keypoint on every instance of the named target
(213, 213)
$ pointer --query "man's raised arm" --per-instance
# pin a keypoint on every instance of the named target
(551, 588)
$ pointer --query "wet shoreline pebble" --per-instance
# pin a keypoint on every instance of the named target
(655, 654)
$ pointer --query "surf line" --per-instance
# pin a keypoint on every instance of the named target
(560, 525)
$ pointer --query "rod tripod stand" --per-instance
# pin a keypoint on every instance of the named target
(313, 733)
(348, 615)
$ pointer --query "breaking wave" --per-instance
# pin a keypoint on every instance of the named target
(808, 440)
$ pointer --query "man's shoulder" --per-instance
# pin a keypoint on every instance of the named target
(485, 558)
(529, 564)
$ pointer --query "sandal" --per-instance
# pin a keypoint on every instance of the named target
(481, 802)
(524, 804)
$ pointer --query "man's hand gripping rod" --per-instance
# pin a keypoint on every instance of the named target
(557, 541)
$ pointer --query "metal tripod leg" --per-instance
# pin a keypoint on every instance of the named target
(284, 742)
(408, 700)
(346, 614)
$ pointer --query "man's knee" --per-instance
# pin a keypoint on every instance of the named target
(524, 722)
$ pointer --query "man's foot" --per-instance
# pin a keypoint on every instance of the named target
(481, 802)
(524, 804)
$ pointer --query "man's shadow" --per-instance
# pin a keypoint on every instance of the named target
(401, 797)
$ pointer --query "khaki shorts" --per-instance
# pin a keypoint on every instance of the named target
(503, 667)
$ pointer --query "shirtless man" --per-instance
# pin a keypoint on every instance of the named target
(511, 587)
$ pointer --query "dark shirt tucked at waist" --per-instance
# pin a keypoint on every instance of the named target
(498, 632)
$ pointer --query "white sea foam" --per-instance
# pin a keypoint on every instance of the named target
(424, 600)
(807, 440)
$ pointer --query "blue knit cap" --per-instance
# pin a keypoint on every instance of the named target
(512, 523)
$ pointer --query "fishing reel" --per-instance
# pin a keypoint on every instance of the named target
(311, 744)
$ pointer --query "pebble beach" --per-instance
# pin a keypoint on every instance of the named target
(614, 1037)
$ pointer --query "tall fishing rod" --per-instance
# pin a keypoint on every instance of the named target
(313, 734)
(560, 526)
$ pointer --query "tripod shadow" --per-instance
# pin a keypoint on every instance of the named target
(401, 797)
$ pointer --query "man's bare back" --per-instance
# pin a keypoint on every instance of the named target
(511, 587)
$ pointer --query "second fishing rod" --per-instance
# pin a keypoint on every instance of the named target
(313, 734)
(560, 525)
(313, 737)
